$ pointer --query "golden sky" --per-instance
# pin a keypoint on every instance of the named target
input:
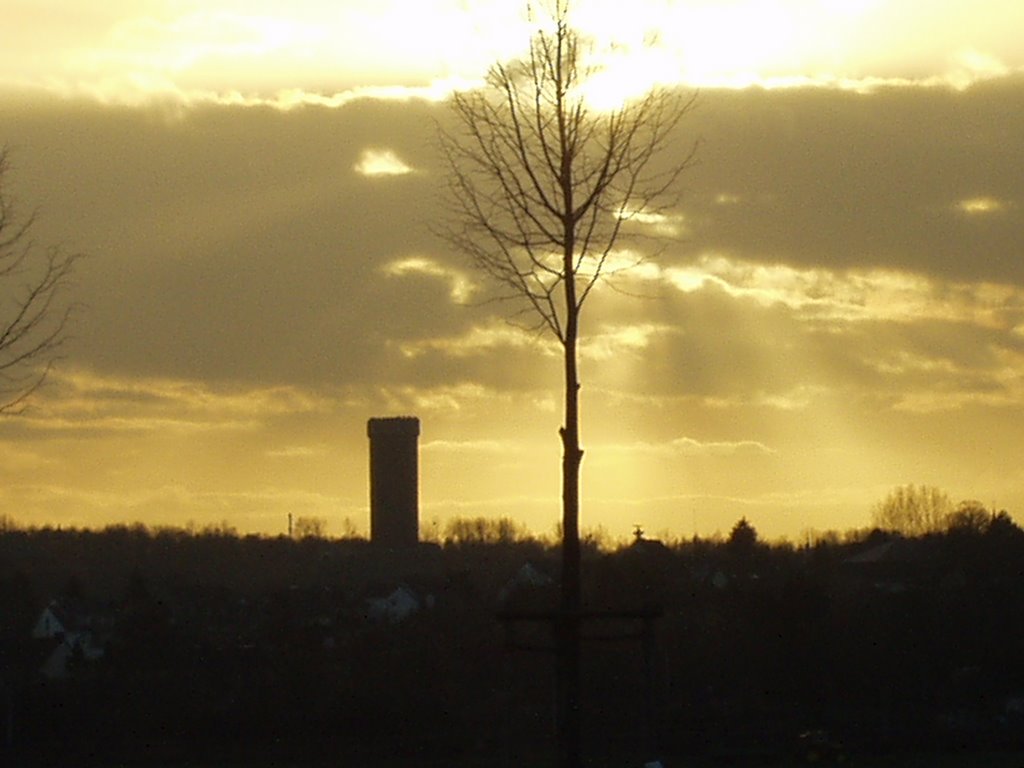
(837, 307)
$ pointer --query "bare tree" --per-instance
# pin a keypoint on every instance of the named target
(913, 510)
(970, 518)
(33, 312)
(310, 527)
(484, 530)
(542, 188)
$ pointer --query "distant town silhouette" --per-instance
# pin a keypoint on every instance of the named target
(171, 646)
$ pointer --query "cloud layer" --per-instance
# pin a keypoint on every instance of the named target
(835, 306)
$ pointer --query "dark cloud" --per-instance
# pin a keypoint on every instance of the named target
(239, 243)
(236, 243)
(842, 179)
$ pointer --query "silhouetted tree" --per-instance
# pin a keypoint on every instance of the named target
(33, 312)
(484, 530)
(970, 518)
(310, 527)
(743, 538)
(1002, 526)
(541, 186)
(913, 510)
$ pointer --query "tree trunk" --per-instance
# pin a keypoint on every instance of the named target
(568, 662)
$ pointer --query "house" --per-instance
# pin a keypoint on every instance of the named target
(527, 577)
(894, 565)
(73, 633)
(52, 623)
(397, 606)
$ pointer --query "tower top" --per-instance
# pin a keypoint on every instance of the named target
(393, 425)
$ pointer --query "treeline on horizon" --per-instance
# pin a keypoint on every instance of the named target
(909, 510)
(218, 646)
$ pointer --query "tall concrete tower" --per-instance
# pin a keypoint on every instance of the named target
(394, 481)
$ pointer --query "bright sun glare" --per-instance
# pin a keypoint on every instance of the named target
(700, 43)
(730, 44)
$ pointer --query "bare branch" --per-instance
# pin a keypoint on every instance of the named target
(534, 172)
(34, 313)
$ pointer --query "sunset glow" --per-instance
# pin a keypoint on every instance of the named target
(831, 306)
(230, 51)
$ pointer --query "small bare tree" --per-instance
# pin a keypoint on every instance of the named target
(542, 187)
(913, 510)
(33, 312)
(310, 527)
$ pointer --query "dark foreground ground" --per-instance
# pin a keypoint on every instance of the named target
(208, 649)
(917, 760)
